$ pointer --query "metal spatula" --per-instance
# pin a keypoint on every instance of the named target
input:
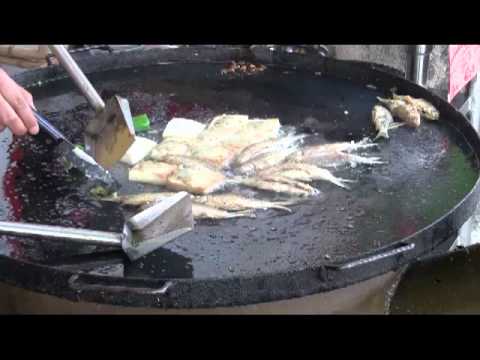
(111, 132)
(142, 234)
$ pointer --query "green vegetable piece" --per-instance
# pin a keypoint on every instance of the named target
(141, 123)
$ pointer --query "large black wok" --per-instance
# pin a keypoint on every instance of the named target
(394, 213)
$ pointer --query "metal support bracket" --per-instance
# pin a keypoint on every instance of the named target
(466, 108)
(419, 69)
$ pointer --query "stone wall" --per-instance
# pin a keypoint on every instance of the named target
(399, 57)
(392, 55)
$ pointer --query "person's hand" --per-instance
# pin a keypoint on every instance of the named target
(15, 107)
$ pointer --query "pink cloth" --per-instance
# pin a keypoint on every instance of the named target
(464, 61)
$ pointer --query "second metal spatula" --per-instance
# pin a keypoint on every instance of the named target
(143, 233)
(80, 158)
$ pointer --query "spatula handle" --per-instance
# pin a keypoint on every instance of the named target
(70, 65)
(86, 237)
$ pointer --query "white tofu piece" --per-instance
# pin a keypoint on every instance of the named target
(140, 149)
(183, 128)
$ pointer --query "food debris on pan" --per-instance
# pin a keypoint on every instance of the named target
(242, 67)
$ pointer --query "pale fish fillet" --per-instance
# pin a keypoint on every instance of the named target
(206, 212)
(267, 128)
(233, 125)
(222, 127)
(200, 211)
(403, 110)
(383, 121)
(284, 180)
(151, 172)
(236, 132)
(228, 121)
(265, 161)
(335, 159)
(139, 199)
(294, 174)
(172, 146)
(260, 148)
(356, 159)
(345, 158)
(424, 107)
(218, 155)
(186, 161)
(277, 187)
(232, 202)
(319, 174)
(195, 180)
(255, 131)
(201, 208)
(346, 146)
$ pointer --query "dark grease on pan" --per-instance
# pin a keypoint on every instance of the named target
(427, 171)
